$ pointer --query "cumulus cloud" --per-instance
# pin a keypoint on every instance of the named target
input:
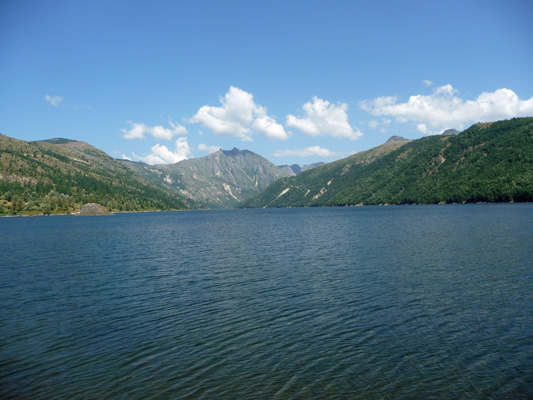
(209, 149)
(307, 152)
(54, 100)
(163, 155)
(140, 130)
(238, 116)
(444, 109)
(324, 119)
(270, 128)
(427, 82)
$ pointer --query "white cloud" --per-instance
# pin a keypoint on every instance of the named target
(140, 130)
(444, 109)
(238, 116)
(307, 152)
(270, 128)
(53, 100)
(324, 119)
(209, 149)
(162, 155)
(427, 82)
(422, 128)
(125, 157)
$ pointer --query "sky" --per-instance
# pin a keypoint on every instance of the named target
(295, 81)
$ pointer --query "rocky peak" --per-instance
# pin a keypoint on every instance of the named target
(449, 132)
(234, 152)
(396, 138)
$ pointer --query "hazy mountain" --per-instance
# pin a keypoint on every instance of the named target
(450, 132)
(489, 162)
(297, 169)
(60, 175)
(219, 180)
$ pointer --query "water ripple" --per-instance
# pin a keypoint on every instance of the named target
(400, 302)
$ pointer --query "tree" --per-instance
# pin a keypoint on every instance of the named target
(17, 204)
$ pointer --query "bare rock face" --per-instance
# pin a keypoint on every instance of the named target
(94, 209)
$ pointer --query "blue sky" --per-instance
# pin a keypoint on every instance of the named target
(294, 81)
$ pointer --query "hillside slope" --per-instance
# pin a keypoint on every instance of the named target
(490, 162)
(220, 180)
(310, 186)
(59, 175)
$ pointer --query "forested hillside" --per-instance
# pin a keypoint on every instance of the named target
(60, 175)
(489, 162)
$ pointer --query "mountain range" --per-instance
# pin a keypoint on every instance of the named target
(489, 162)
(60, 175)
(222, 179)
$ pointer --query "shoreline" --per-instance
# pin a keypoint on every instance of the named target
(77, 214)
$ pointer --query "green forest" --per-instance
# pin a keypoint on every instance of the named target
(60, 176)
(489, 162)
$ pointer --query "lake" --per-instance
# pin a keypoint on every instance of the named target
(360, 302)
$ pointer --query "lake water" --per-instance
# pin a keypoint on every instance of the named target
(362, 303)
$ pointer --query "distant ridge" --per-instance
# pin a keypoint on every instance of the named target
(297, 169)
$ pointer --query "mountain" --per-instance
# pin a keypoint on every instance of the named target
(60, 175)
(220, 180)
(296, 169)
(291, 170)
(489, 162)
(450, 132)
(306, 188)
(396, 138)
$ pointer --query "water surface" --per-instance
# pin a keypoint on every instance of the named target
(364, 302)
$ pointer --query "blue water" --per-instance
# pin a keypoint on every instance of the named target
(363, 303)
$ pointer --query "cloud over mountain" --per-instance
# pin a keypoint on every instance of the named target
(163, 155)
(140, 130)
(238, 116)
(324, 119)
(444, 109)
(209, 149)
